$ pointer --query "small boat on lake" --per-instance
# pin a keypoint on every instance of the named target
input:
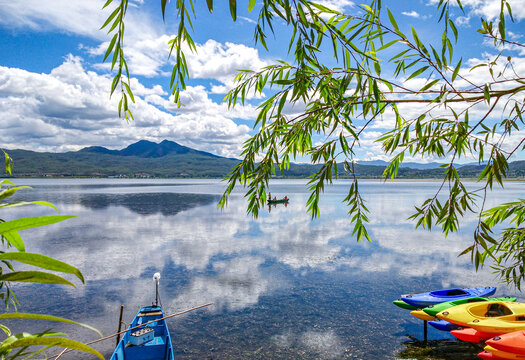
(422, 300)
(278, 201)
(148, 337)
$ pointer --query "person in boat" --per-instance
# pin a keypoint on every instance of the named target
(275, 198)
(269, 196)
(286, 198)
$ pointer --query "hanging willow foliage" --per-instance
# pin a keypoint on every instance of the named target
(345, 96)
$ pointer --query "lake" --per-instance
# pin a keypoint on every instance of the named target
(283, 286)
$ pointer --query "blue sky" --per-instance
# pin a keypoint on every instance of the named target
(54, 88)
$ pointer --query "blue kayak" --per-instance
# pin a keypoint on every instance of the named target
(149, 342)
(443, 325)
(435, 297)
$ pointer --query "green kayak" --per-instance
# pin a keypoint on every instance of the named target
(432, 310)
(404, 305)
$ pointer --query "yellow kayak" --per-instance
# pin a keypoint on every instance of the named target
(420, 314)
(466, 313)
(500, 325)
(503, 354)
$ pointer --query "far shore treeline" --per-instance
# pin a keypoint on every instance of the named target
(145, 159)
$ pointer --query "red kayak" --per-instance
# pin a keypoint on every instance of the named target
(489, 356)
(471, 335)
(513, 342)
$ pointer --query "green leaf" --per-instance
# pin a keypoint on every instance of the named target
(17, 315)
(210, 5)
(418, 72)
(456, 70)
(14, 238)
(11, 191)
(42, 261)
(428, 85)
(392, 20)
(233, 9)
(31, 222)
(33, 340)
(251, 5)
(35, 277)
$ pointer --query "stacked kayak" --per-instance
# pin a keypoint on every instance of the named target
(471, 316)
(438, 296)
(473, 313)
(512, 342)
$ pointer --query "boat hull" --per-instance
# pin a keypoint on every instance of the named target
(474, 314)
(471, 335)
(280, 201)
(158, 348)
(433, 310)
(422, 300)
(404, 305)
(443, 325)
(513, 342)
(503, 354)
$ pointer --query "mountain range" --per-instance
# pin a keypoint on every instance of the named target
(169, 159)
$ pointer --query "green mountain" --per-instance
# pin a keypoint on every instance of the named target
(169, 159)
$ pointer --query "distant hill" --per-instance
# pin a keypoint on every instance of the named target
(141, 159)
(169, 159)
(148, 149)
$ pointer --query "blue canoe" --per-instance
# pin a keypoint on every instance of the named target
(443, 325)
(435, 297)
(148, 342)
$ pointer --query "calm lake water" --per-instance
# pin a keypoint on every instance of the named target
(283, 286)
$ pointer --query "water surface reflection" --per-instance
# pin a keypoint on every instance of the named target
(283, 285)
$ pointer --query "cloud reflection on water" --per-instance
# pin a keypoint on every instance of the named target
(228, 258)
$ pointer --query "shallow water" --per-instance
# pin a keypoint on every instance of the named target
(282, 285)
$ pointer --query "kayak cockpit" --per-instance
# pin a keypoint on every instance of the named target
(449, 292)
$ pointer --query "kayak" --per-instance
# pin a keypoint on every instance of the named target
(471, 335)
(420, 314)
(465, 314)
(148, 337)
(503, 354)
(438, 296)
(489, 356)
(513, 342)
(404, 305)
(443, 325)
(433, 310)
(501, 325)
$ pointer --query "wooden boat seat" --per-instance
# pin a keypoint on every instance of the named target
(156, 313)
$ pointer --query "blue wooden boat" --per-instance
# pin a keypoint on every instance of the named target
(435, 297)
(148, 337)
(443, 325)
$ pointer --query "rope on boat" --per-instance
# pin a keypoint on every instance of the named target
(66, 350)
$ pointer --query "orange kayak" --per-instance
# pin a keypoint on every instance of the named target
(513, 342)
(489, 356)
(471, 335)
(503, 354)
